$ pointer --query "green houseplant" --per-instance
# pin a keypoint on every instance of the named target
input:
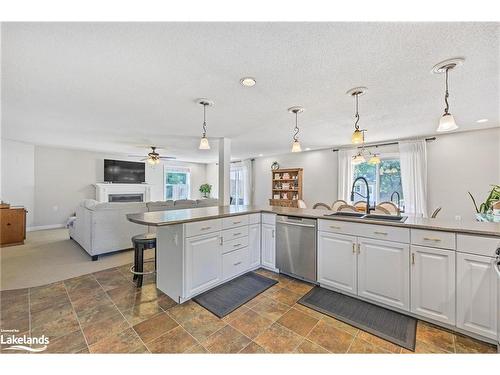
(205, 189)
(486, 206)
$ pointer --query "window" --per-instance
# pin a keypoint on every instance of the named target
(236, 186)
(177, 184)
(383, 179)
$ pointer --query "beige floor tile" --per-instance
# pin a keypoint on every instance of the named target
(333, 339)
(108, 326)
(155, 326)
(253, 348)
(250, 323)
(298, 322)
(360, 346)
(308, 347)
(142, 312)
(186, 311)
(432, 335)
(271, 309)
(70, 343)
(465, 344)
(278, 339)
(177, 340)
(126, 341)
(379, 342)
(235, 314)
(226, 340)
(202, 326)
(285, 296)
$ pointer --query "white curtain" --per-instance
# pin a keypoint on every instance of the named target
(413, 159)
(345, 174)
(247, 181)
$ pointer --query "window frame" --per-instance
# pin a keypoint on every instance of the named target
(173, 169)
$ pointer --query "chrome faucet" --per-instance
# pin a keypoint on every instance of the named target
(399, 197)
(362, 196)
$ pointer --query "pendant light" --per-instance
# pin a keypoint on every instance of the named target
(296, 144)
(374, 160)
(204, 145)
(447, 121)
(358, 158)
(358, 136)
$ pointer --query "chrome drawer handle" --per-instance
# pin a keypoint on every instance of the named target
(432, 239)
(382, 233)
(238, 244)
(236, 234)
(334, 227)
(236, 264)
(236, 222)
(205, 228)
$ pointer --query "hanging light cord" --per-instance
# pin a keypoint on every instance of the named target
(356, 116)
(204, 120)
(447, 94)
(296, 129)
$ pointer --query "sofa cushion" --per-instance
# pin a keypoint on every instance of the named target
(185, 203)
(160, 205)
(129, 206)
(208, 202)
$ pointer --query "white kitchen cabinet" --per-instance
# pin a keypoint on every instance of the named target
(433, 283)
(384, 272)
(268, 246)
(337, 261)
(254, 245)
(477, 295)
(203, 262)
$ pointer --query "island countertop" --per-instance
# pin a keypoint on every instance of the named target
(171, 217)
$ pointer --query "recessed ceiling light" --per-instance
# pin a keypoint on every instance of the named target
(308, 148)
(261, 155)
(482, 120)
(248, 81)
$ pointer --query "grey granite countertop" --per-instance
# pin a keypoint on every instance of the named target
(171, 217)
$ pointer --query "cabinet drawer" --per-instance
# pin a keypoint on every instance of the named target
(234, 244)
(269, 219)
(342, 227)
(254, 219)
(485, 246)
(234, 221)
(203, 227)
(234, 263)
(384, 232)
(231, 234)
(432, 238)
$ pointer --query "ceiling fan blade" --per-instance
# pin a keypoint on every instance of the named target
(168, 157)
(135, 156)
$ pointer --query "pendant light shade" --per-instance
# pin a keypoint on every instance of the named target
(357, 137)
(295, 140)
(374, 160)
(447, 121)
(358, 159)
(204, 145)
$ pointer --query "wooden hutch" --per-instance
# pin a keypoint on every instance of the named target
(286, 187)
(12, 225)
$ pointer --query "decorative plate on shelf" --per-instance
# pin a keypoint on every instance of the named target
(275, 166)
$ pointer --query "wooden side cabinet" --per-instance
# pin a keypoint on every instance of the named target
(12, 226)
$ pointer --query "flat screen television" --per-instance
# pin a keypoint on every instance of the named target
(125, 172)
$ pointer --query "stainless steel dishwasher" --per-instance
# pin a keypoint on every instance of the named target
(296, 247)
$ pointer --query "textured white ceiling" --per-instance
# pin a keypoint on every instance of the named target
(114, 86)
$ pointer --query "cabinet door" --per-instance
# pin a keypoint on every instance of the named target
(203, 262)
(337, 261)
(433, 283)
(268, 246)
(477, 295)
(254, 245)
(383, 272)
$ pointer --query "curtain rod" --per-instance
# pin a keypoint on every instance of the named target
(385, 144)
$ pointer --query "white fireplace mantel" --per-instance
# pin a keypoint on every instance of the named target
(102, 190)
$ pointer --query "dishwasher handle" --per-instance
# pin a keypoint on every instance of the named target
(297, 224)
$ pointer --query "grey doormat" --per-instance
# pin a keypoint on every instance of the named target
(387, 324)
(227, 297)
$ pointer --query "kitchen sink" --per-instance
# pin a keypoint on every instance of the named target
(346, 214)
(400, 219)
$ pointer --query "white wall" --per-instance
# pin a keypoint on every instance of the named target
(320, 175)
(213, 178)
(462, 162)
(50, 182)
(18, 176)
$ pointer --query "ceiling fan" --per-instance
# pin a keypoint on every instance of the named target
(153, 157)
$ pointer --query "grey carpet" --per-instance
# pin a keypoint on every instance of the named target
(227, 297)
(387, 324)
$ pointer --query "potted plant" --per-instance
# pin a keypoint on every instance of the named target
(487, 205)
(205, 189)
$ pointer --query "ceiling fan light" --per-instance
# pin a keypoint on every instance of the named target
(374, 160)
(357, 137)
(447, 123)
(204, 145)
(296, 146)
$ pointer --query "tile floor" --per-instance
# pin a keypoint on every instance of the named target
(104, 312)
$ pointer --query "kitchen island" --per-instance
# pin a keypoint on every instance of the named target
(435, 269)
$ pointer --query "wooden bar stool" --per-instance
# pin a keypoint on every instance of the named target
(142, 242)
